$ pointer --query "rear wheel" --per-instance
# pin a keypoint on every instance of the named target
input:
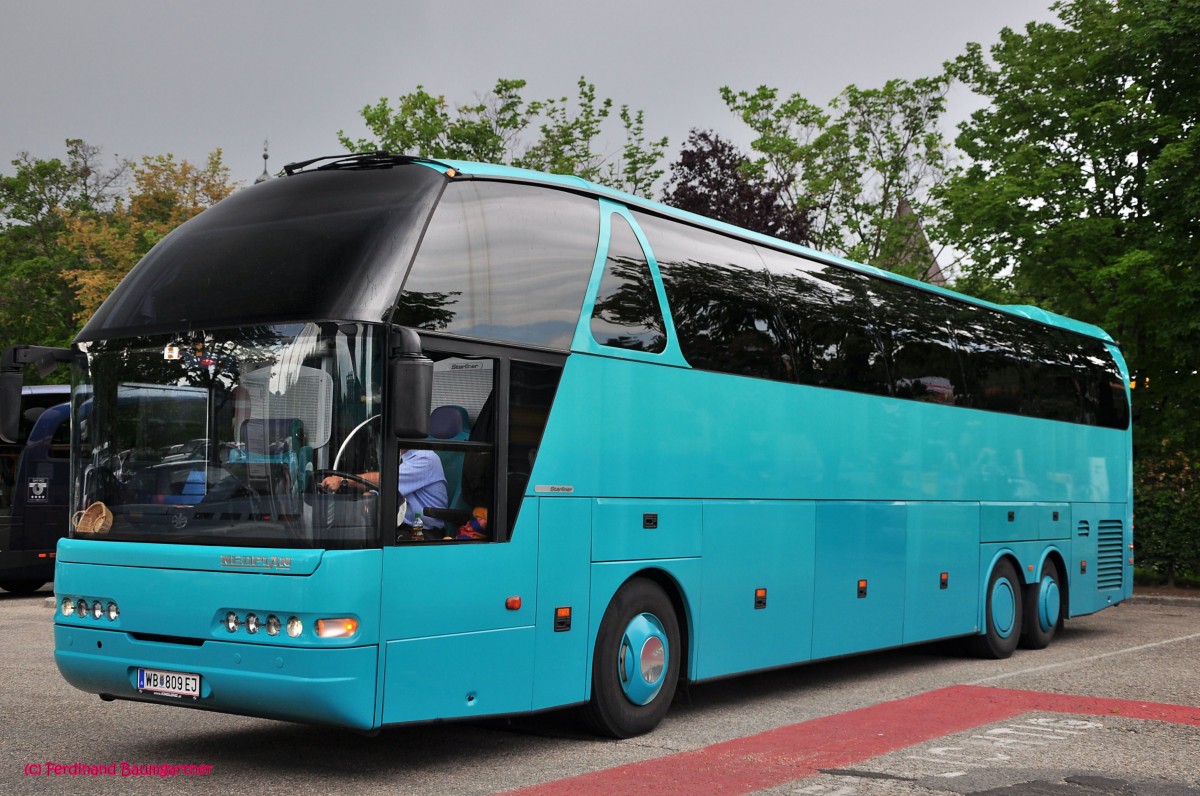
(1003, 615)
(1043, 614)
(636, 663)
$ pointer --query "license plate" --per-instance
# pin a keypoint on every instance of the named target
(157, 681)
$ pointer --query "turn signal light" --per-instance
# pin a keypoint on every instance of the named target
(337, 628)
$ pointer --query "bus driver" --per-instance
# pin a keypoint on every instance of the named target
(422, 484)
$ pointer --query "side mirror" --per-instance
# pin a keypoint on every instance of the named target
(410, 385)
(12, 379)
(11, 383)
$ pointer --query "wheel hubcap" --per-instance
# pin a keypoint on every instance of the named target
(1004, 608)
(1049, 603)
(642, 659)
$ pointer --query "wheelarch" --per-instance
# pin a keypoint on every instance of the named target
(676, 593)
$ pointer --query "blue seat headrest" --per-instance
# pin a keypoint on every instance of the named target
(447, 422)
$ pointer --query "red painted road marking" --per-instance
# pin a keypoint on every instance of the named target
(771, 758)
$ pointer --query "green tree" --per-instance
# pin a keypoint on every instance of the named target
(566, 134)
(1082, 189)
(852, 166)
(38, 305)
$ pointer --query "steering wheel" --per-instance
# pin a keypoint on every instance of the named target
(319, 477)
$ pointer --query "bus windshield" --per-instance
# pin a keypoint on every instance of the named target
(222, 437)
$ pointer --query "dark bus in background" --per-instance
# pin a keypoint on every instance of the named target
(34, 481)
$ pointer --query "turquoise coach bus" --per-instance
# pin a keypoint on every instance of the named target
(674, 450)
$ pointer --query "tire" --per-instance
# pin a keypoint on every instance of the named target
(636, 664)
(1003, 614)
(22, 586)
(1044, 609)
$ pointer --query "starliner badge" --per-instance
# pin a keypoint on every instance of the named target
(256, 562)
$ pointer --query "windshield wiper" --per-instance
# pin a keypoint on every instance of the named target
(362, 160)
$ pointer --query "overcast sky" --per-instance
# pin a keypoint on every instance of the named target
(146, 77)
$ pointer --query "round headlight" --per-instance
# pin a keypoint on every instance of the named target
(231, 622)
(81, 608)
(112, 612)
(295, 627)
(251, 623)
(97, 609)
(273, 625)
(68, 606)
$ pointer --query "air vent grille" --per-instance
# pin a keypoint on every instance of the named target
(1110, 555)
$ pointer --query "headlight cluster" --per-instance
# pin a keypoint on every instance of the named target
(83, 607)
(252, 623)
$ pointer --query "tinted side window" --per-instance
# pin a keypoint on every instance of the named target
(531, 393)
(1052, 384)
(503, 262)
(1105, 402)
(831, 325)
(718, 291)
(923, 361)
(990, 357)
(627, 314)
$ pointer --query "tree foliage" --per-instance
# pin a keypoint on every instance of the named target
(1082, 190)
(107, 245)
(38, 306)
(1167, 483)
(71, 228)
(852, 165)
(566, 134)
(712, 178)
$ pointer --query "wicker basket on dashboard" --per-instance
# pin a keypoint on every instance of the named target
(96, 518)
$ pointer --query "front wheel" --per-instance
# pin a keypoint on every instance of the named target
(1003, 615)
(22, 586)
(636, 663)
(1043, 609)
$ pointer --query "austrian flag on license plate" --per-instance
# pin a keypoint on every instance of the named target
(157, 681)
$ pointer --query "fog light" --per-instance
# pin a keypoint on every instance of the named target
(68, 606)
(295, 627)
(112, 612)
(231, 622)
(336, 628)
(80, 608)
(97, 610)
(252, 623)
(272, 625)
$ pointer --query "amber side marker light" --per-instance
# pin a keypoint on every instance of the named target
(562, 619)
(337, 628)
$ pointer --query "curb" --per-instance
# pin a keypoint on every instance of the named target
(1154, 599)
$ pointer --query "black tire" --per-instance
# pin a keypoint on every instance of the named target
(1044, 608)
(1003, 613)
(22, 586)
(632, 703)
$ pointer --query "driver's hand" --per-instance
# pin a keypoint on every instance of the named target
(333, 483)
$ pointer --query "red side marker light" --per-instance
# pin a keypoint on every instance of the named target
(513, 603)
(760, 599)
